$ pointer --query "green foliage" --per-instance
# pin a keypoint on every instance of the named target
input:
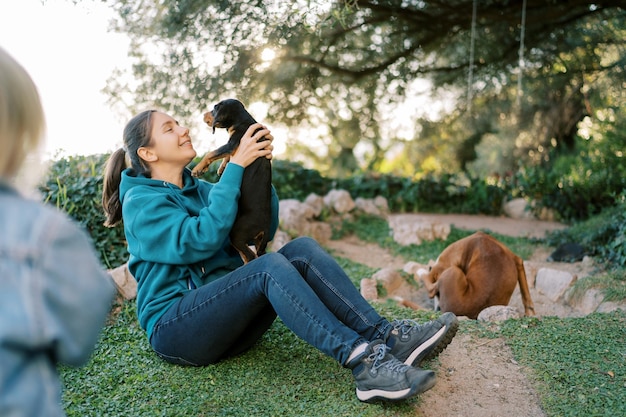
(446, 193)
(292, 180)
(74, 185)
(336, 71)
(611, 283)
(603, 236)
(578, 364)
(576, 187)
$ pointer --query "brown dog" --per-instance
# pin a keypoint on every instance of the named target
(252, 225)
(474, 273)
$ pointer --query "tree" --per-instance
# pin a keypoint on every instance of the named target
(347, 65)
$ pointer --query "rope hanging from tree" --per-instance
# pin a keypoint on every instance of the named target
(520, 62)
(521, 56)
(470, 72)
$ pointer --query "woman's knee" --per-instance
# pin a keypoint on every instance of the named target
(300, 245)
(271, 261)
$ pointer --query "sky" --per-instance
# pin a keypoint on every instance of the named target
(69, 54)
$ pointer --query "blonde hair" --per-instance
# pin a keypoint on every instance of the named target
(22, 120)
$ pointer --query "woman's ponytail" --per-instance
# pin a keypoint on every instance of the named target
(137, 133)
(111, 187)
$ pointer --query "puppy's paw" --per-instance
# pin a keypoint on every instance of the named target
(222, 166)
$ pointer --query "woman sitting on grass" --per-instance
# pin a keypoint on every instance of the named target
(199, 303)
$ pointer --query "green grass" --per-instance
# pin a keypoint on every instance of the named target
(577, 365)
(611, 283)
(280, 376)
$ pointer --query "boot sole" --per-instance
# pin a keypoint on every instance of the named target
(375, 395)
(443, 341)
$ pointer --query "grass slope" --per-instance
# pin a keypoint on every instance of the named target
(578, 365)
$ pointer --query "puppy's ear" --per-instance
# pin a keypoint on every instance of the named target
(209, 119)
(218, 117)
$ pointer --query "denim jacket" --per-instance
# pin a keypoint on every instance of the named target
(54, 299)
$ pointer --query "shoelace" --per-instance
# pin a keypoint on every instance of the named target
(379, 354)
(405, 326)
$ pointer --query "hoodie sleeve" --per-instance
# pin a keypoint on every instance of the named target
(159, 228)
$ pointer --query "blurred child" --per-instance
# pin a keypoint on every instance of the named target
(54, 294)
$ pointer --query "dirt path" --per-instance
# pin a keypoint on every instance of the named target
(476, 377)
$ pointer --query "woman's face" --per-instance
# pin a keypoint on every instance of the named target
(170, 141)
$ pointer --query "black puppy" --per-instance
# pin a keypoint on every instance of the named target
(252, 225)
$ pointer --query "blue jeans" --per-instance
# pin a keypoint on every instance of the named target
(300, 283)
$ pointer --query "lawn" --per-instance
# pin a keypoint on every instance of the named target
(576, 365)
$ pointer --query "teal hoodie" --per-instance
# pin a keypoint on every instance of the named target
(178, 238)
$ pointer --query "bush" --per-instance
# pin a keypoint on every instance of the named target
(74, 185)
(603, 235)
(448, 193)
(577, 186)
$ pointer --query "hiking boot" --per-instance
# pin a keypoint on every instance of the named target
(413, 343)
(380, 376)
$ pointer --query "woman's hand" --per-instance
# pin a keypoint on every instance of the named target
(249, 149)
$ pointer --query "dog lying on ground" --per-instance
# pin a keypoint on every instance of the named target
(474, 273)
(252, 225)
(568, 252)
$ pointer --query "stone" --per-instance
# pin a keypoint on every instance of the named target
(316, 202)
(366, 206)
(376, 207)
(498, 313)
(414, 233)
(553, 283)
(390, 278)
(339, 201)
(517, 209)
(320, 231)
(280, 239)
(368, 289)
(124, 281)
(610, 306)
(294, 216)
(588, 303)
(567, 252)
(382, 204)
(412, 267)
